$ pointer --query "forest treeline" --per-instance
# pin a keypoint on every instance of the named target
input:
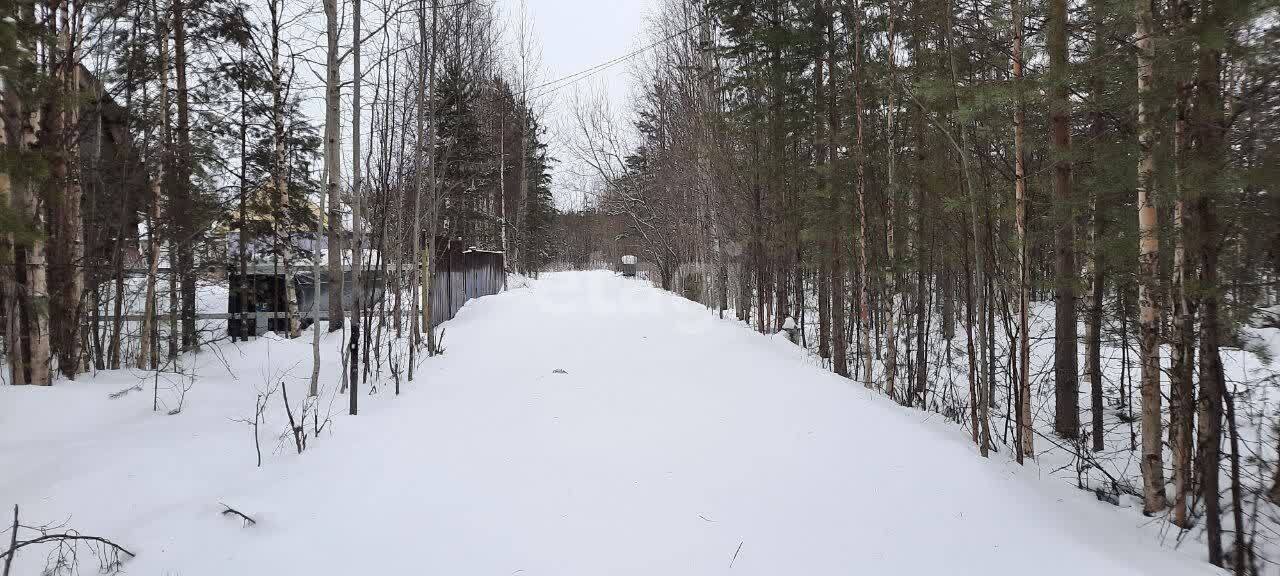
(907, 169)
(150, 146)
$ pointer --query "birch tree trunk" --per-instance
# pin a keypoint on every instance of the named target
(36, 330)
(36, 304)
(280, 179)
(1152, 462)
(9, 332)
(357, 203)
(169, 179)
(864, 307)
(418, 303)
(29, 318)
(332, 162)
(13, 194)
(74, 219)
(502, 183)
(314, 389)
(890, 296)
(1182, 328)
(145, 345)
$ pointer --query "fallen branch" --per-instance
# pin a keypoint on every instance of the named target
(120, 393)
(64, 556)
(227, 511)
(64, 537)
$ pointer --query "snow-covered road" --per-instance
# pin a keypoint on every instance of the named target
(584, 424)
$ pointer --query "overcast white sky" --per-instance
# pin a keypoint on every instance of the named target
(576, 35)
(572, 35)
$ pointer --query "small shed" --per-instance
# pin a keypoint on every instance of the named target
(628, 266)
(267, 295)
(460, 275)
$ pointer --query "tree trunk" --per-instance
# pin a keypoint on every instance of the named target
(946, 284)
(333, 164)
(1065, 361)
(889, 271)
(169, 176)
(1211, 129)
(1095, 267)
(972, 353)
(26, 315)
(1241, 554)
(145, 355)
(117, 312)
(60, 139)
(313, 389)
(1182, 328)
(417, 304)
(242, 246)
(433, 193)
(1093, 326)
(839, 344)
(188, 230)
(502, 186)
(922, 336)
(1211, 386)
(824, 297)
(980, 398)
(173, 288)
(357, 205)
(1026, 434)
(864, 307)
(148, 352)
(523, 204)
(280, 177)
(10, 331)
(827, 333)
(1148, 269)
(30, 309)
(124, 212)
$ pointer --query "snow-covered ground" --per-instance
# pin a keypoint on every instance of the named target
(578, 424)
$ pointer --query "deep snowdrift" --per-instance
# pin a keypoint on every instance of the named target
(672, 443)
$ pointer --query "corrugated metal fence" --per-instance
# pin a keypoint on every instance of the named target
(461, 275)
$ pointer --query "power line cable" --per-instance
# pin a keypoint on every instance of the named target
(563, 81)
